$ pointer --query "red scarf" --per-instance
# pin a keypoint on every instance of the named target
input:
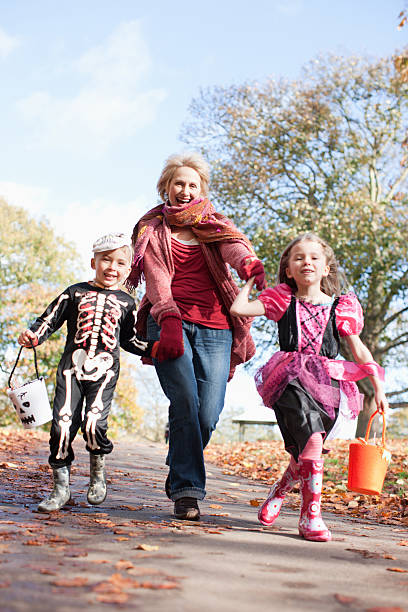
(199, 215)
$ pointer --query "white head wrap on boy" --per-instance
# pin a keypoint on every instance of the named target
(109, 242)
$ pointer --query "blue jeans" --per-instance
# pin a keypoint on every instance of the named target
(195, 385)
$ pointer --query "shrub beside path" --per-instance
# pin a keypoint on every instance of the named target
(131, 554)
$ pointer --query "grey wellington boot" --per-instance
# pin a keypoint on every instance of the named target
(60, 494)
(97, 481)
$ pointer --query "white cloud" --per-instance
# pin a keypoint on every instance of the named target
(7, 44)
(33, 199)
(78, 222)
(81, 223)
(111, 104)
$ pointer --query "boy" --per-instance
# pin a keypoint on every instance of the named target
(100, 319)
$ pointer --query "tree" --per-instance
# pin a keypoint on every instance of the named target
(325, 153)
(126, 416)
(35, 264)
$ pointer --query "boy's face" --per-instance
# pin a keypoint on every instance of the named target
(111, 267)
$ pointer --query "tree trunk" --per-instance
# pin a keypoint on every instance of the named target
(369, 407)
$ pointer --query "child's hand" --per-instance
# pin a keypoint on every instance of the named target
(28, 339)
(242, 306)
(381, 401)
(249, 285)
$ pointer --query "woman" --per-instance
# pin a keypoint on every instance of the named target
(184, 249)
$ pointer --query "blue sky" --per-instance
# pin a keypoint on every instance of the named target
(94, 93)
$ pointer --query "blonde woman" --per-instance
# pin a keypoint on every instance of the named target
(184, 250)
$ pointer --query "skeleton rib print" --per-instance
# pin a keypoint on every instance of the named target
(98, 316)
(99, 322)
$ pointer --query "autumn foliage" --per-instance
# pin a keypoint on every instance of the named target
(266, 460)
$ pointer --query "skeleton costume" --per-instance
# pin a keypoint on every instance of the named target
(99, 321)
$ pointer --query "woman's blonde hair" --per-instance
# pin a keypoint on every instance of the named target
(331, 284)
(191, 160)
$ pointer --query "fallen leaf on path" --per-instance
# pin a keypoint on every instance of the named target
(70, 582)
(144, 571)
(367, 554)
(344, 599)
(113, 598)
(401, 570)
(124, 583)
(403, 543)
(124, 565)
(34, 542)
(131, 508)
(385, 609)
(255, 502)
(163, 585)
(147, 547)
(216, 506)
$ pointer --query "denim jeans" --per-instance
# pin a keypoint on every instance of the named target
(195, 385)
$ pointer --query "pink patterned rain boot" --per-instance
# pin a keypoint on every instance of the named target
(269, 511)
(311, 525)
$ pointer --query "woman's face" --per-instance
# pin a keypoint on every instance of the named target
(184, 187)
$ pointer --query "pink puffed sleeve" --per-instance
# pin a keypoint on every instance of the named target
(349, 315)
(276, 301)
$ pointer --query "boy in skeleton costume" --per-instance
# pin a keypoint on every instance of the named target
(100, 319)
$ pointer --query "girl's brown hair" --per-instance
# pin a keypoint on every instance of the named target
(331, 284)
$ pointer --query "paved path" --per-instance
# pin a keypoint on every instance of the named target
(130, 554)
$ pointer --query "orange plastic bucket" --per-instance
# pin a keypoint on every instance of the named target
(368, 463)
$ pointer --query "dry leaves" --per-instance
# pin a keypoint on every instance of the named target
(70, 582)
(265, 461)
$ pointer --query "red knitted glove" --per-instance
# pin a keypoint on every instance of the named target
(253, 268)
(171, 339)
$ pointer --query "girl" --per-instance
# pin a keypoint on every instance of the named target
(303, 383)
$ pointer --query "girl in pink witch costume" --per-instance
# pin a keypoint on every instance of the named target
(303, 382)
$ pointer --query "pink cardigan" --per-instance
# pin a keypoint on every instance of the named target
(158, 269)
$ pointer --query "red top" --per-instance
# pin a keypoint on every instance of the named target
(194, 289)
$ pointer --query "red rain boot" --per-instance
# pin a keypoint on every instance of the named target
(311, 525)
(269, 511)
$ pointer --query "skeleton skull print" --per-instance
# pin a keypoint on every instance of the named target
(99, 322)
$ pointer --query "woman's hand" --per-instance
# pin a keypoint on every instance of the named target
(28, 339)
(253, 268)
(171, 343)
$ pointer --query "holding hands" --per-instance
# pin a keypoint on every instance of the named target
(252, 267)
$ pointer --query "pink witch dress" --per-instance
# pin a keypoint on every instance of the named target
(303, 382)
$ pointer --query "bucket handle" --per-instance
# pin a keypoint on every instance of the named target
(369, 427)
(18, 357)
